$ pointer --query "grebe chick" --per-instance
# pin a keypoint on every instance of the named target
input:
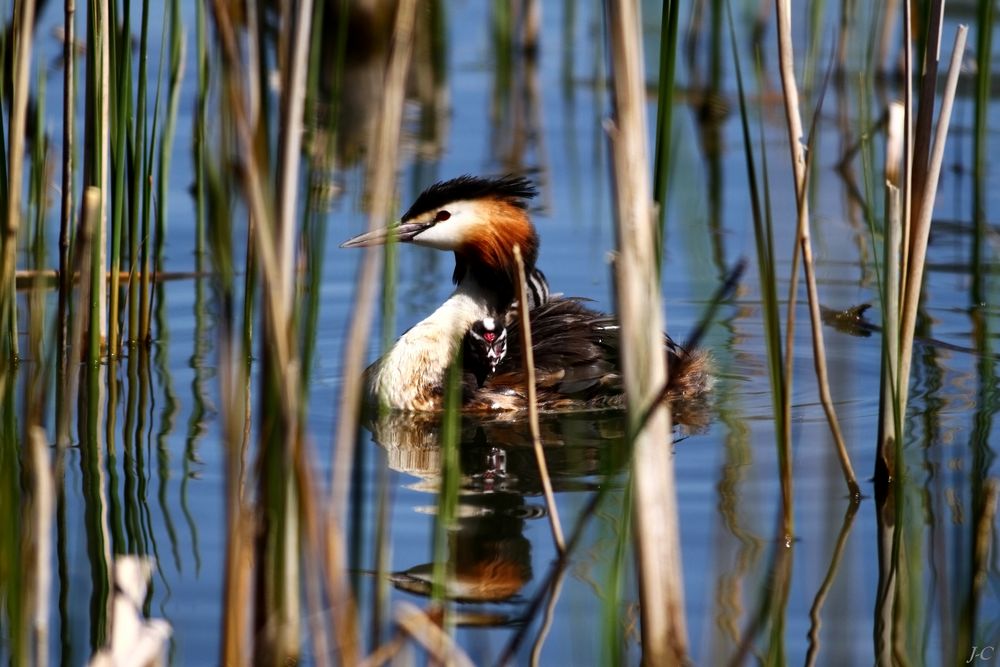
(576, 349)
(485, 344)
(485, 348)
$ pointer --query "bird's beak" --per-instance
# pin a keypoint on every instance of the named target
(402, 232)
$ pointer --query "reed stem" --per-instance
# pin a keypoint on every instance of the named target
(532, 390)
(24, 26)
(804, 245)
(383, 161)
(921, 227)
(664, 629)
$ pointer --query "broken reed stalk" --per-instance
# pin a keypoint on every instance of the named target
(32, 279)
(532, 390)
(803, 244)
(921, 225)
(655, 518)
(24, 33)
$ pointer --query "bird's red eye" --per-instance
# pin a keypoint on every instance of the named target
(441, 216)
(489, 336)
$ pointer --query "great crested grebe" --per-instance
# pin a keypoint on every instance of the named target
(576, 349)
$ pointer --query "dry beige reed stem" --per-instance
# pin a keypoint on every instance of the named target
(655, 517)
(239, 554)
(536, 437)
(921, 227)
(384, 159)
(290, 144)
(82, 251)
(442, 648)
(383, 162)
(15, 150)
(253, 175)
(983, 537)
(68, 150)
(896, 129)
(385, 652)
(104, 183)
(43, 503)
(804, 245)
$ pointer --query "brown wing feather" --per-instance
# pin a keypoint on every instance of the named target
(577, 353)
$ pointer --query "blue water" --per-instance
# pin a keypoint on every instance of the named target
(726, 469)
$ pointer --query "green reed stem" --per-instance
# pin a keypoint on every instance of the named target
(764, 240)
(66, 212)
(447, 506)
(984, 61)
(178, 49)
(664, 119)
(37, 390)
(141, 187)
(121, 59)
(613, 592)
(94, 163)
(13, 594)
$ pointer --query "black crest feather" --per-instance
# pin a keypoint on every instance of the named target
(514, 189)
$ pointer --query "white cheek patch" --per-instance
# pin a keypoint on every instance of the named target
(451, 233)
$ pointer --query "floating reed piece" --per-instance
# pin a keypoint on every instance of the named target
(656, 533)
(529, 371)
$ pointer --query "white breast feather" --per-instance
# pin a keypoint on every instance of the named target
(415, 366)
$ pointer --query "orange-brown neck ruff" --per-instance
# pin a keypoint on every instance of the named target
(488, 252)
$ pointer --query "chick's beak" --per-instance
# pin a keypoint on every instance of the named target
(402, 232)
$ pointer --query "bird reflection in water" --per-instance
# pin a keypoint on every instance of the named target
(489, 554)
